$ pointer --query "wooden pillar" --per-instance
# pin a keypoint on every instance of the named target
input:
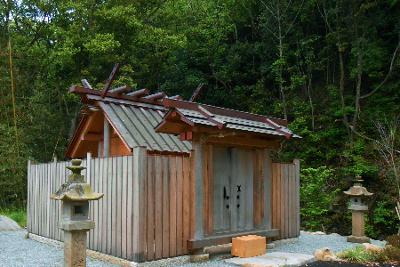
(267, 188)
(198, 198)
(139, 202)
(106, 138)
(296, 163)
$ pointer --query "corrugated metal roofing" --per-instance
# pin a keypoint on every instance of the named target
(234, 123)
(136, 125)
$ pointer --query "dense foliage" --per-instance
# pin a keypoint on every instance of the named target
(330, 67)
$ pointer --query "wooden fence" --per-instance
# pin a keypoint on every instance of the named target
(286, 198)
(118, 215)
(144, 219)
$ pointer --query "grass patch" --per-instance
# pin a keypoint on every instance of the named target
(18, 215)
(360, 255)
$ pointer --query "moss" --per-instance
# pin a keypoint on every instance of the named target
(18, 215)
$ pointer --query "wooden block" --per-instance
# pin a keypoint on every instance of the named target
(248, 246)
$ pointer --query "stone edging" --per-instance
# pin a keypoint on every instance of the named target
(112, 259)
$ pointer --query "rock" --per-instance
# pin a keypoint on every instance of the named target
(372, 248)
(324, 254)
(199, 257)
(318, 233)
(270, 245)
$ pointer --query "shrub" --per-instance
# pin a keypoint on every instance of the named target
(360, 255)
(316, 197)
(394, 240)
(392, 249)
(392, 253)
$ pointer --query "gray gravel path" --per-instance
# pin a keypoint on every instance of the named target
(17, 251)
(307, 243)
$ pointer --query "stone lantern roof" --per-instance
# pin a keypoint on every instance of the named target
(357, 189)
(76, 189)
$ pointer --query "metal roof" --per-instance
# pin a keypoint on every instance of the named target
(228, 119)
(236, 123)
(136, 123)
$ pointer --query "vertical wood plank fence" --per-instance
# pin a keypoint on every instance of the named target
(286, 198)
(148, 218)
(166, 194)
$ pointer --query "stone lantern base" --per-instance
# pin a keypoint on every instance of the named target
(75, 248)
(358, 226)
(358, 239)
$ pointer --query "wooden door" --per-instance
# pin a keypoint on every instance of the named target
(232, 189)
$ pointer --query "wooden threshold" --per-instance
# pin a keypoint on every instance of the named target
(194, 244)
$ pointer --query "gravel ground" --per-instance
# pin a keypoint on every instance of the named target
(17, 251)
(307, 243)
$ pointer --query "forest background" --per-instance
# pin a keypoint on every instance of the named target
(330, 67)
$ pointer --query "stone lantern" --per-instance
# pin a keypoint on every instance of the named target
(358, 207)
(75, 195)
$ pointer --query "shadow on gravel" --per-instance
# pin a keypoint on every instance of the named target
(346, 264)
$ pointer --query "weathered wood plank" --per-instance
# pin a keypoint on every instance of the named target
(130, 212)
(179, 205)
(139, 201)
(124, 194)
(150, 207)
(279, 199)
(165, 206)
(227, 238)
(297, 199)
(119, 207)
(172, 206)
(109, 203)
(206, 192)
(186, 202)
(158, 207)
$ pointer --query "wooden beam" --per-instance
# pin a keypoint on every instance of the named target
(85, 91)
(210, 117)
(91, 137)
(194, 244)
(171, 103)
(139, 201)
(176, 97)
(139, 93)
(110, 80)
(106, 134)
(198, 176)
(196, 92)
(155, 96)
(248, 141)
(86, 84)
(120, 90)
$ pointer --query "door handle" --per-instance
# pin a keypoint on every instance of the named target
(225, 194)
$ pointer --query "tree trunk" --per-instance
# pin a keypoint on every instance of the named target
(358, 92)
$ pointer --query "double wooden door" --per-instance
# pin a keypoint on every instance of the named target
(232, 189)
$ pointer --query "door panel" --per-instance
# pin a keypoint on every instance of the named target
(242, 212)
(222, 174)
(233, 189)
